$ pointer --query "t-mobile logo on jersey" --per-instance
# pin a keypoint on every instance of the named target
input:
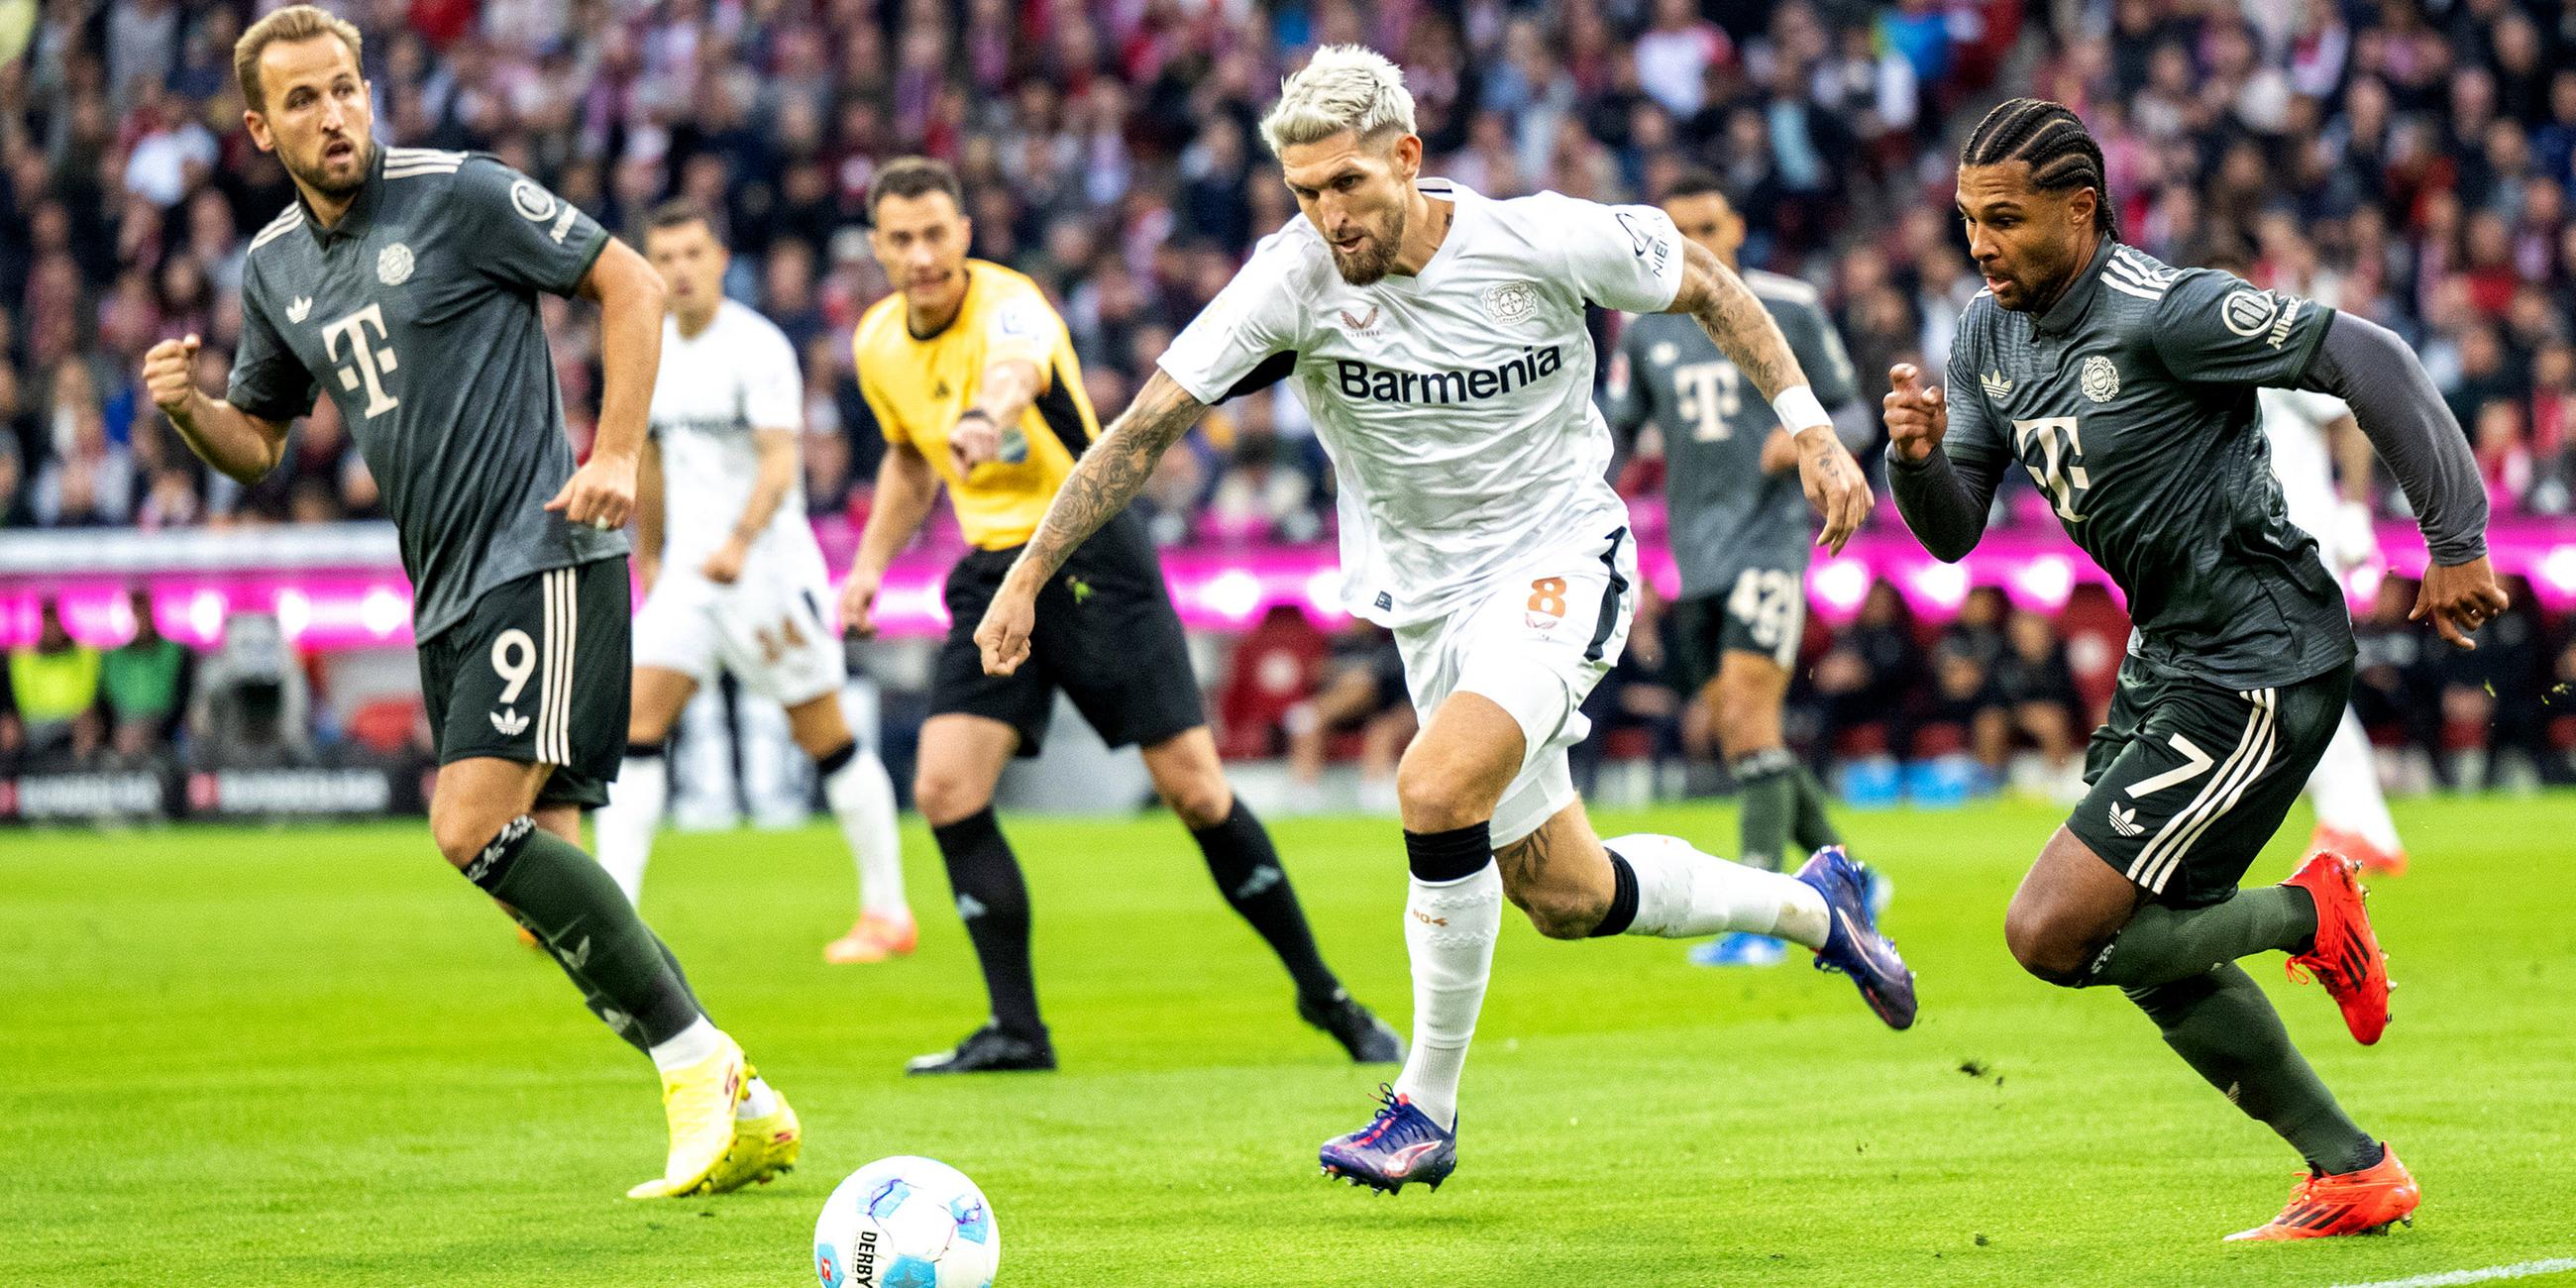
(374, 360)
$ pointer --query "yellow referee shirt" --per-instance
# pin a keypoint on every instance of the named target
(919, 385)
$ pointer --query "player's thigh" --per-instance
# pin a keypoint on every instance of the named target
(956, 764)
(660, 693)
(476, 797)
(2070, 903)
(1022, 700)
(1108, 635)
(1459, 767)
(2185, 805)
(537, 673)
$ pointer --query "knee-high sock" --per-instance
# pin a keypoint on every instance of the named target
(2161, 944)
(634, 809)
(993, 901)
(568, 901)
(1452, 912)
(1684, 894)
(1811, 827)
(862, 798)
(2220, 1023)
(1769, 796)
(2345, 787)
(1247, 871)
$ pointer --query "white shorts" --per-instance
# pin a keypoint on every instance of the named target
(770, 632)
(1535, 645)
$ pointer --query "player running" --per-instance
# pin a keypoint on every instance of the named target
(2126, 388)
(404, 282)
(973, 379)
(1437, 338)
(1737, 529)
(732, 576)
(2313, 436)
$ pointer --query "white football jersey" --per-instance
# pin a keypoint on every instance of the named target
(2295, 421)
(1456, 404)
(736, 376)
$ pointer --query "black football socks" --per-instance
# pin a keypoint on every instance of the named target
(571, 904)
(993, 901)
(1247, 871)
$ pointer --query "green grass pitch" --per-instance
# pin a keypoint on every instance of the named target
(313, 1056)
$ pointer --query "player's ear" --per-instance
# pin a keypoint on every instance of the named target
(2080, 206)
(1408, 157)
(257, 124)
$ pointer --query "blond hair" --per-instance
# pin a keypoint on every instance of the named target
(290, 24)
(1344, 87)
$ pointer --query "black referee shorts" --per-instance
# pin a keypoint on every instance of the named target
(1106, 635)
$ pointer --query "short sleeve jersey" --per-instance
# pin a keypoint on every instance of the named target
(917, 385)
(716, 390)
(1726, 514)
(1456, 403)
(417, 314)
(2131, 403)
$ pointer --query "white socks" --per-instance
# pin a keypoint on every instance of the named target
(862, 798)
(1684, 894)
(686, 1047)
(758, 1101)
(2345, 787)
(625, 825)
(1449, 931)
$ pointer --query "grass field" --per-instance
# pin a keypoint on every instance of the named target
(314, 1056)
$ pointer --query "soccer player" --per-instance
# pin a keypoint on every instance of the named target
(974, 382)
(2126, 389)
(404, 283)
(732, 576)
(1737, 530)
(1438, 339)
(2313, 436)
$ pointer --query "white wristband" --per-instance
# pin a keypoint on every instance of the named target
(1798, 409)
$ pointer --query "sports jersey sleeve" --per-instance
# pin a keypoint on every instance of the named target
(1944, 497)
(1619, 257)
(268, 380)
(522, 234)
(2214, 327)
(1253, 319)
(1022, 327)
(773, 389)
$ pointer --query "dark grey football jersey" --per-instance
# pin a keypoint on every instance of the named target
(1726, 514)
(2131, 404)
(417, 314)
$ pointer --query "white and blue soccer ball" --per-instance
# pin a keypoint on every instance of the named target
(907, 1222)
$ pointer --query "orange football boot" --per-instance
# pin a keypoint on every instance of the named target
(2345, 955)
(873, 939)
(2374, 860)
(2364, 1202)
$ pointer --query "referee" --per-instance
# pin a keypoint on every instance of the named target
(974, 382)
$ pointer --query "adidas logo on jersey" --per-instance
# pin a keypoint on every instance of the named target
(1998, 385)
(2125, 821)
(299, 308)
(1359, 380)
(509, 722)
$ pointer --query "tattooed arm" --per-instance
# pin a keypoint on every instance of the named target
(1713, 295)
(1108, 477)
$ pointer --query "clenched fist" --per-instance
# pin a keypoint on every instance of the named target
(1916, 417)
(169, 375)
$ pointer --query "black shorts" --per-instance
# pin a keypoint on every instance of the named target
(1764, 612)
(1106, 635)
(537, 673)
(2190, 779)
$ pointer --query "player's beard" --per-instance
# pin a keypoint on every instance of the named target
(1376, 258)
(320, 178)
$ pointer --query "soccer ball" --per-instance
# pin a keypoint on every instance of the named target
(906, 1222)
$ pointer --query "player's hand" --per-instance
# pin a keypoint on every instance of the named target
(725, 564)
(169, 375)
(1004, 635)
(1916, 417)
(1834, 485)
(2459, 599)
(601, 493)
(859, 603)
(972, 441)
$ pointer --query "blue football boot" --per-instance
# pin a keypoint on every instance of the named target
(1739, 949)
(1853, 945)
(1401, 1144)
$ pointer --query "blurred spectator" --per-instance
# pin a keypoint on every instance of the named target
(1362, 693)
(253, 705)
(1869, 676)
(54, 691)
(146, 683)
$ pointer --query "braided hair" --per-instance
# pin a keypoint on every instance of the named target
(2063, 155)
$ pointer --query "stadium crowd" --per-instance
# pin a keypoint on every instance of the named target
(2410, 162)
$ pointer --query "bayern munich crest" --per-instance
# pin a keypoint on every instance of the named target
(393, 264)
(2101, 380)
